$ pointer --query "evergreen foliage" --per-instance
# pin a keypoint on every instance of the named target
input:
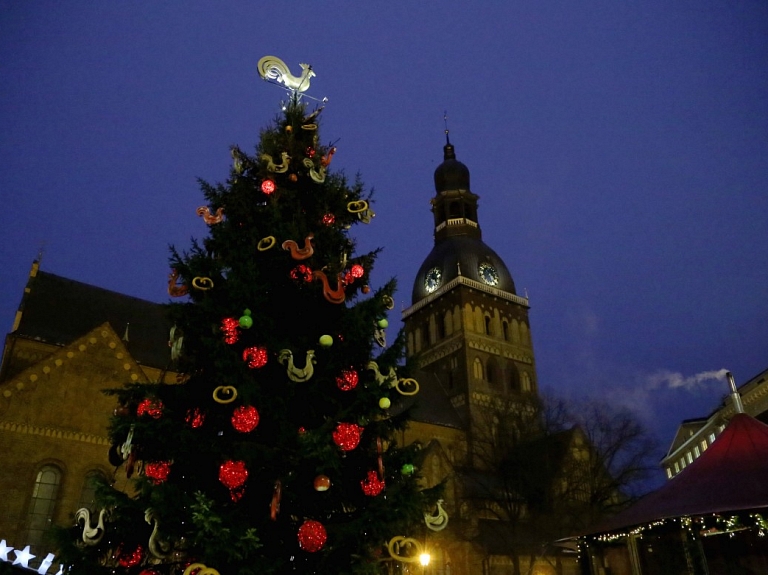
(251, 529)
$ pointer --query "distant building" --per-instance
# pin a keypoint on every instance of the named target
(694, 436)
(69, 342)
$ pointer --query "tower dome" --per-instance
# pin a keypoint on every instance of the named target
(459, 250)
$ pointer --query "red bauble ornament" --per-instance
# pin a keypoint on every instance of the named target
(195, 418)
(268, 186)
(229, 327)
(302, 273)
(347, 380)
(129, 559)
(311, 152)
(347, 436)
(357, 271)
(312, 536)
(157, 471)
(150, 407)
(371, 485)
(245, 418)
(149, 571)
(233, 475)
(329, 219)
(255, 356)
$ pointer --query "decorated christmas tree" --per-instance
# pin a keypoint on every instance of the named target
(275, 451)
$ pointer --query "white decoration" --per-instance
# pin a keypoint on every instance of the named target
(23, 557)
(437, 522)
(4, 550)
(159, 549)
(273, 68)
(91, 535)
(46, 564)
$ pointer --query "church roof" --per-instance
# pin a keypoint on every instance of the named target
(732, 475)
(59, 310)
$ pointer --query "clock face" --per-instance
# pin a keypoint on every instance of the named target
(488, 274)
(432, 280)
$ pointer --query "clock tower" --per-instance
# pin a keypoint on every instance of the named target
(466, 328)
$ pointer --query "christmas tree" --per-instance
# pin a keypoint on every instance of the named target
(275, 452)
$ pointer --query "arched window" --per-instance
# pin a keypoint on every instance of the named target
(417, 339)
(440, 327)
(513, 377)
(515, 331)
(493, 376)
(448, 323)
(505, 330)
(525, 383)
(410, 344)
(43, 503)
(487, 326)
(88, 491)
(477, 368)
(525, 336)
(454, 210)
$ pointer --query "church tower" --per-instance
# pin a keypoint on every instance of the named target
(467, 328)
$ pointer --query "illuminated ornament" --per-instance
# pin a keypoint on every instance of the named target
(150, 407)
(302, 273)
(372, 485)
(347, 436)
(357, 271)
(195, 418)
(4, 550)
(325, 341)
(157, 471)
(348, 379)
(246, 321)
(407, 469)
(229, 327)
(312, 536)
(385, 403)
(268, 186)
(23, 557)
(322, 483)
(255, 356)
(233, 474)
(245, 418)
(150, 571)
(329, 219)
(129, 559)
(310, 152)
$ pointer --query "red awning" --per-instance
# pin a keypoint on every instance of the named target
(732, 475)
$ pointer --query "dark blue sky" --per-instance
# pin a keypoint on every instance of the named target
(620, 150)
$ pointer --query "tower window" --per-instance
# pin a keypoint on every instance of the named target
(505, 330)
(43, 503)
(525, 383)
(477, 368)
(487, 325)
(440, 326)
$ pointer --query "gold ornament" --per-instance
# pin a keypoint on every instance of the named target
(437, 522)
(294, 373)
(405, 549)
(389, 303)
(289, 129)
(277, 169)
(273, 68)
(309, 127)
(357, 206)
(266, 243)
(204, 570)
(318, 176)
(407, 383)
(91, 535)
(202, 283)
(389, 379)
(224, 390)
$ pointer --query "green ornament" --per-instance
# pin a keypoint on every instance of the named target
(246, 320)
(383, 323)
(326, 340)
(407, 469)
(384, 403)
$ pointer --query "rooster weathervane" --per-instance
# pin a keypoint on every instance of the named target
(273, 69)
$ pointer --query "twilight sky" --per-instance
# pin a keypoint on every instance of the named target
(620, 151)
